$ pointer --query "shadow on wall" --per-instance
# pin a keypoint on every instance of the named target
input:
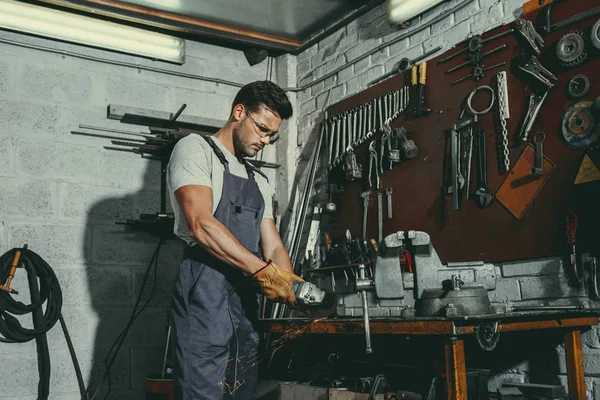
(300, 179)
(117, 260)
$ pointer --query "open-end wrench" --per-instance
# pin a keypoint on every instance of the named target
(338, 136)
(385, 108)
(329, 134)
(538, 142)
(380, 112)
(484, 197)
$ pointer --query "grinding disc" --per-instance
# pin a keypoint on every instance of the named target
(326, 308)
(595, 35)
(578, 126)
(570, 49)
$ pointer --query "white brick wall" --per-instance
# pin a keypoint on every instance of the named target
(62, 194)
(530, 282)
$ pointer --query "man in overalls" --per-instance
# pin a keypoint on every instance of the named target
(223, 212)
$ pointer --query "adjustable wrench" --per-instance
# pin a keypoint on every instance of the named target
(484, 198)
(538, 142)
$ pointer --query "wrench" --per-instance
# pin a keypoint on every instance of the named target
(380, 111)
(365, 196)
(538, 142)
(484, 198)
(388, 195)
(379, 217)
(338, 136)
(469, 150)
(454, 158)
(329, 135)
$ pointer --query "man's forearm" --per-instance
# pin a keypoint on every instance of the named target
(281, 257)
(213, 236)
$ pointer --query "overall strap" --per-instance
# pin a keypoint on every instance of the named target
(252, 170)
(217, 151)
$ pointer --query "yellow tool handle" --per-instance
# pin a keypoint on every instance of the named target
(374, 245)
(11, 272)
(422, 72)
(414, 75)
(327, 241)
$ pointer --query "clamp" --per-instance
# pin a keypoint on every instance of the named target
(528, 31)
(532, 67)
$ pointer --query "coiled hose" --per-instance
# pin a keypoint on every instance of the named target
(48, 292)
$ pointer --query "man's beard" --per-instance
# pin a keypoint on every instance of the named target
(240, 146)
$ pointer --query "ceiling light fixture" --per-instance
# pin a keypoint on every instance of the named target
(400, 11)
(42, 21)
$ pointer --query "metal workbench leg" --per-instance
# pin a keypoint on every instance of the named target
(574, 357)
(456, 372)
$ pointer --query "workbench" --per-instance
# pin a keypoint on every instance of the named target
(455, 330)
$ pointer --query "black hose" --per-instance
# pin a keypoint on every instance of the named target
(47, 292)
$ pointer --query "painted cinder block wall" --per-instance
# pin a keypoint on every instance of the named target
(61, 194)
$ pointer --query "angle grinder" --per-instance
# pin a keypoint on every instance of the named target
(314, 301)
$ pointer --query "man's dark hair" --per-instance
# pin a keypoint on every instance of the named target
(254, 94)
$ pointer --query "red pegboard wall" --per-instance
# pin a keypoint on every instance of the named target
(491, 234)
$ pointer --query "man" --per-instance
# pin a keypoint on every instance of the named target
(224, 214)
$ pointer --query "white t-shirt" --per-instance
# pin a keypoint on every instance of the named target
(194, 162)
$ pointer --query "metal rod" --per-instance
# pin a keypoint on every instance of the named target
(575, 19)
(104, 136)
(132, 144)
(413, 61)
(178, 113)
(99, 128)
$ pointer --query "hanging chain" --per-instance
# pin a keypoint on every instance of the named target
(504, 115)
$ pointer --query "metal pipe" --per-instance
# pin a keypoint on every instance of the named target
(230, 83)
(340, 24)
(120, 63)
(382, 46)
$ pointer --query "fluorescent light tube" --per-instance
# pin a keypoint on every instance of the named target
(400, 11)
(55, 24)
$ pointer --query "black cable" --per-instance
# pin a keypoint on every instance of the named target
(47, 292)
(116, 346)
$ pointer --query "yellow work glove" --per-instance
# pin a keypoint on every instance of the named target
(276, 283)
